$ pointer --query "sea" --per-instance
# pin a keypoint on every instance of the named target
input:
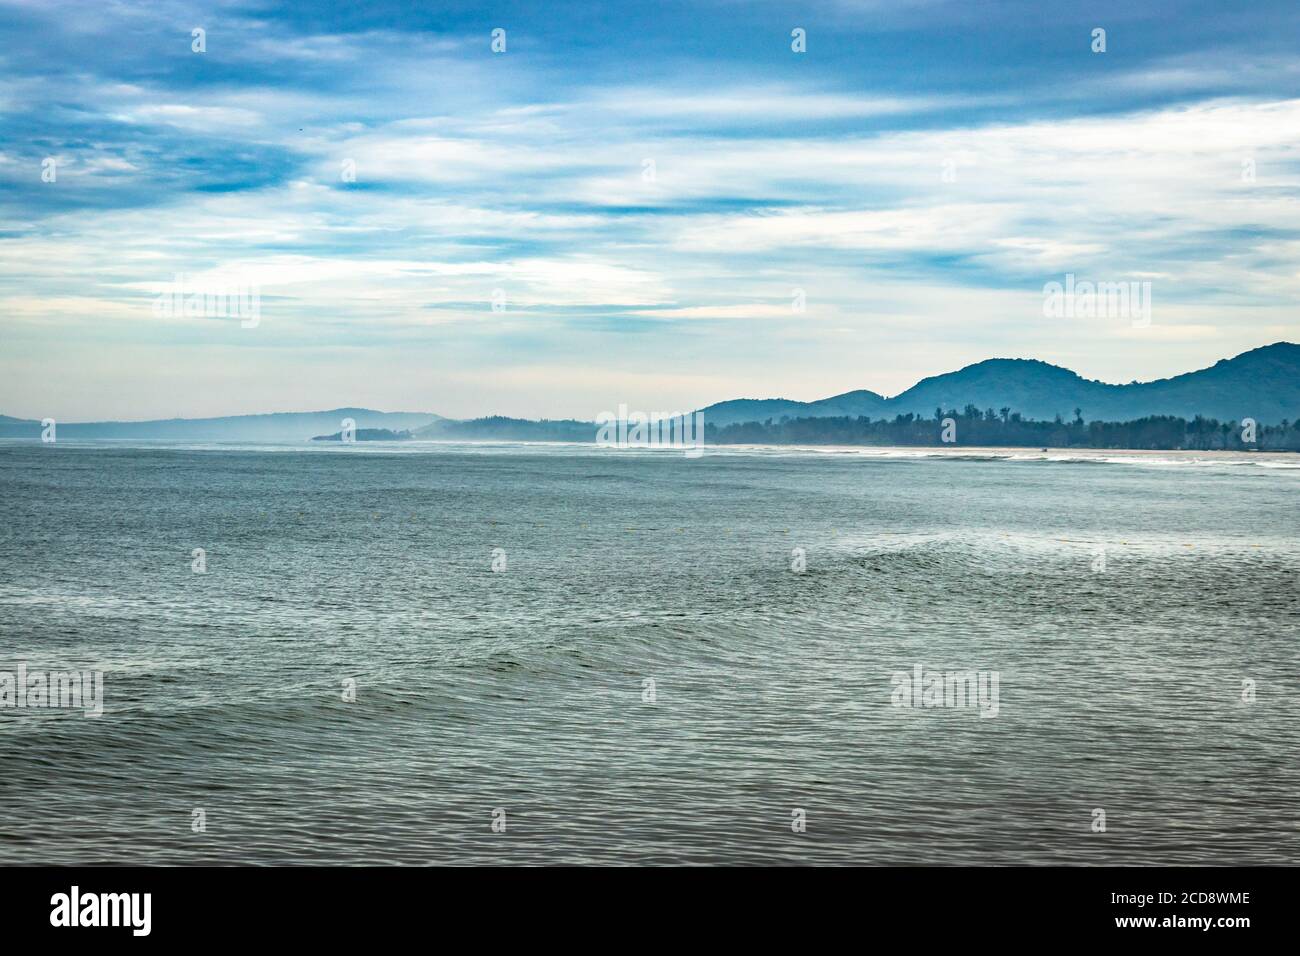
(419, 653)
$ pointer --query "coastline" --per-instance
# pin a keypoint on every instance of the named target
(1042, 454)
(1278, 460)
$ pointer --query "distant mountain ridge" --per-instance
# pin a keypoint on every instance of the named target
(272, 427)
(1263, 384)
(500, 428)
(853, 404)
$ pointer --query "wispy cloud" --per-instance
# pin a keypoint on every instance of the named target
(637, 200)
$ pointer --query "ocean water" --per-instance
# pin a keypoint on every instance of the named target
(1141, 615)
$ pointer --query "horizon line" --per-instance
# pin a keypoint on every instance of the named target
(437, 415)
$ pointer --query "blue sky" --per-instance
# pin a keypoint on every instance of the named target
(643, 186)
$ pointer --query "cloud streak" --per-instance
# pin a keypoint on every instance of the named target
(521, 232)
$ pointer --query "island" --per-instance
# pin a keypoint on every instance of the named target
(368, 434)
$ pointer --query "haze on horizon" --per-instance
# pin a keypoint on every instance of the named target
(645, 185)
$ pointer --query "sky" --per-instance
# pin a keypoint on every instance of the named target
(660, 205)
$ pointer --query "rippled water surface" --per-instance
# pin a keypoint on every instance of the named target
(1119, 689)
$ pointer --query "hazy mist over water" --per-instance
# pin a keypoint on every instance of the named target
(1120, 689)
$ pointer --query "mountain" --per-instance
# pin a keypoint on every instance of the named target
(499, 428)
(368, 434)
(853, 404)
(275, 427)
(1263, 384)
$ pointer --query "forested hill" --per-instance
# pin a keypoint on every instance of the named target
(1263, 384)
